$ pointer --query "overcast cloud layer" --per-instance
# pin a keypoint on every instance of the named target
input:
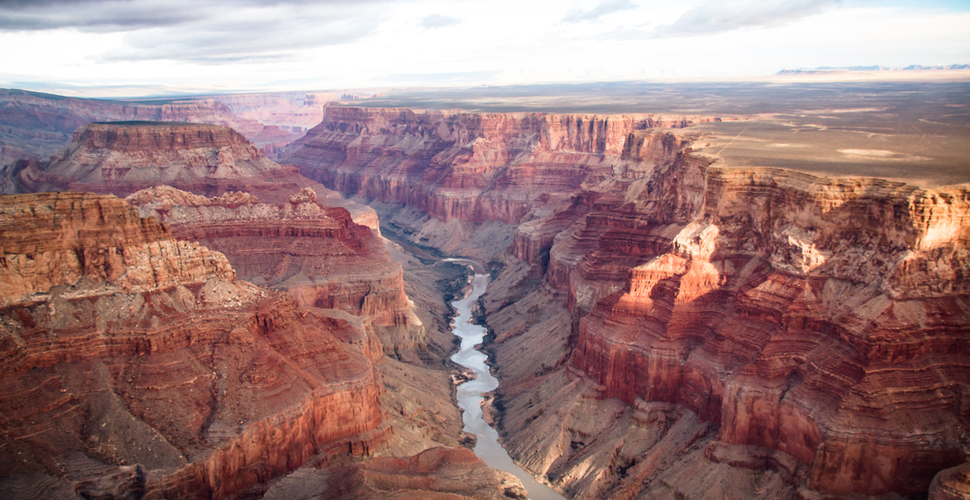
(732, 15)
(263, 44)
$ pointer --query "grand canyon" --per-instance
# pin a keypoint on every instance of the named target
(708, 291)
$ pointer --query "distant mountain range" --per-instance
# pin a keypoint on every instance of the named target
(870, 68)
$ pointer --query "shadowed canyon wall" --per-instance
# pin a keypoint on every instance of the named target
(812, 330)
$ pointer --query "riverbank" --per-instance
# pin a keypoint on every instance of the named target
(470, 393)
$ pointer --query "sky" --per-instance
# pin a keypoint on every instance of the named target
(264, 45)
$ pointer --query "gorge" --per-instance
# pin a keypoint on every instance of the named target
(664, 324)
(722, 320)
(469, 394)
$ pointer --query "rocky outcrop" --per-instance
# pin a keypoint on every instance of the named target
(951, 484)
(317, 253)
(477, 167)
(120, 158)
(123, 157)
(811, 329)
(133, 362)
(37, 125)
(437, 473)
(826, 319)
(54, 239)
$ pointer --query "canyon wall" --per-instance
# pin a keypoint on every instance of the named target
(304, 240)
(139, 364)
(823, 318)
(466, 168)
(35, 125)
(317, 253)
(121, 158)
(812, 330)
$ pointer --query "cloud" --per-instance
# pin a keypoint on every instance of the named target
(719, 17)
(604, 8)
(438, 21)
(201, 31)
(100, 17)
(106, 16)
(241, 40)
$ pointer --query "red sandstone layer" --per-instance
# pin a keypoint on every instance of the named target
(120, 346)
(38, 125)
(316, 253)
(474, 167)
(826, 319)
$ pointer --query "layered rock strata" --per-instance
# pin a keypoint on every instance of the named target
(466, 168)
(137, 364)
(826, 319)
(317, 253)
(811, 329)
(36, 125)
(120, 158)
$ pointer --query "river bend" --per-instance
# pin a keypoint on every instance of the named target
(470, 394)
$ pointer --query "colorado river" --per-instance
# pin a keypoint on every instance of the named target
(470, 394)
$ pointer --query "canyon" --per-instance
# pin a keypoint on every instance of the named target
(318, 254)
(152, 369)
(123, 157)
(134, 353)
(35, 125)
(664, 323)
(773, 332)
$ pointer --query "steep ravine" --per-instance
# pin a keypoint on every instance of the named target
(664, 327)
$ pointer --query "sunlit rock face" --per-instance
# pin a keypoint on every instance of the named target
(827, 319)
(123, 157)
(724, 320)
(317, 253)
(951, 484)
(474, 167)
(135, 363)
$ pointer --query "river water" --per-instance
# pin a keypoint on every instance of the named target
(470, 394)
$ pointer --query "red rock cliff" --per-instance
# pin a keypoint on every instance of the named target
(38, 125)
(121, 346)
(317, 253)
(823, 318)
(123, 157)
(474, 167)
(820, 322)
